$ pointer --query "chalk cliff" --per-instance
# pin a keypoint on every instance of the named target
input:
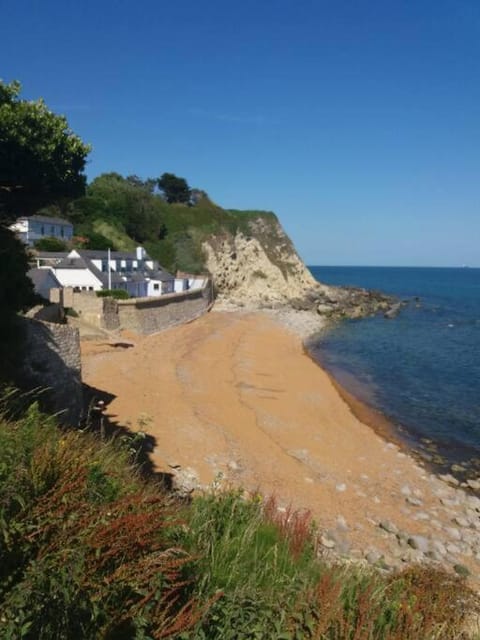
(259, 266)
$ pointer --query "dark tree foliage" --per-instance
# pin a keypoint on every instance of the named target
(41, 162)
(128, 202)
(16, 291)
(175, 189)
(99, 242)
(41, 159)
(16, 294)
(50, 244)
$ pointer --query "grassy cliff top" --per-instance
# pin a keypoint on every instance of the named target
(122, 213)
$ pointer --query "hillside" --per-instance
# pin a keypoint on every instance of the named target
(249, 255)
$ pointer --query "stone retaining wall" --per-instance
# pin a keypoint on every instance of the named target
(52, 362)
(149, 315)
(142, 315)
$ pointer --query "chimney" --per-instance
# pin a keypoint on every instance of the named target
(140, 253)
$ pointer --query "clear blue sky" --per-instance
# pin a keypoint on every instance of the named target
(357, 122)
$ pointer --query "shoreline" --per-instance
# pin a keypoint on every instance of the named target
(237, 395)
(311, 328)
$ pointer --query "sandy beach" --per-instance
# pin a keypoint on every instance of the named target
(233, 396)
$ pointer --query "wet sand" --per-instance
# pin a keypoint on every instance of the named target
(234, 396)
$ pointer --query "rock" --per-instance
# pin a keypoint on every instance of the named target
(299, 454)
(341, 543)
(452, 549)
(325, 309)
(328, 543)
(341, 487)
(412, 555)
(393, 311)
(447, 477)
(421, 515)
(373, 556)
(405, 490)
(453, 532)
(184, 481)
(388, 526)
(416, 502)
(473, 502)
(439, 547)
(420, 543)
(474, 484)
(342, 523)
(449, 502)
(461, 521)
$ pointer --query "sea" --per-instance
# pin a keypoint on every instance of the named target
(421, 369)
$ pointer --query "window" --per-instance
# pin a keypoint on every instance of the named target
(156, 287)
(62, 231)
(42, 230)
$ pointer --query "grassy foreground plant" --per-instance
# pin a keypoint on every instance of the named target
(85, 547)
(88, 550)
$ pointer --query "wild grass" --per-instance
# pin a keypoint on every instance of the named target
(85, 547)
(89, 550)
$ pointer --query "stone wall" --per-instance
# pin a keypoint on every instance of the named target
(142, 315)
(149, 315)
(87, 304)
(48, 313)
(52, 362)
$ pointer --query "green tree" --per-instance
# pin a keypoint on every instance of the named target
(128, 202)
(175, 189)
(41, 160)
(50, 244)
(41, 163)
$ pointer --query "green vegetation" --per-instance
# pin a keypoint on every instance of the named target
(16, 294)
(129, 211)
(41, 159)
(90, 550)
(118, 294)
(51, 244)
(174, 189)
(41, 162)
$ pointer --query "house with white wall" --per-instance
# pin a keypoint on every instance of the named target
(30, 229)
(92, 270)
(133, 271)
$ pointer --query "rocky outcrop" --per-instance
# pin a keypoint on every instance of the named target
(259, 267)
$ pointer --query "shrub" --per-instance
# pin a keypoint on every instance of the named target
(118, 294)
(89, 550)
(51, 244)
(86, 547)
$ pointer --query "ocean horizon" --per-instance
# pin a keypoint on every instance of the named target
(421, 369)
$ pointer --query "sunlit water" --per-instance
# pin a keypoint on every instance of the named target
(422, 369)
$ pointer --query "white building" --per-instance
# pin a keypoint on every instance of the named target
(32, 228)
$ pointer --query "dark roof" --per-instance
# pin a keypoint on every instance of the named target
(51, 255)
(40, 277)
(73, 263)
(159, 274)
(47, 220)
